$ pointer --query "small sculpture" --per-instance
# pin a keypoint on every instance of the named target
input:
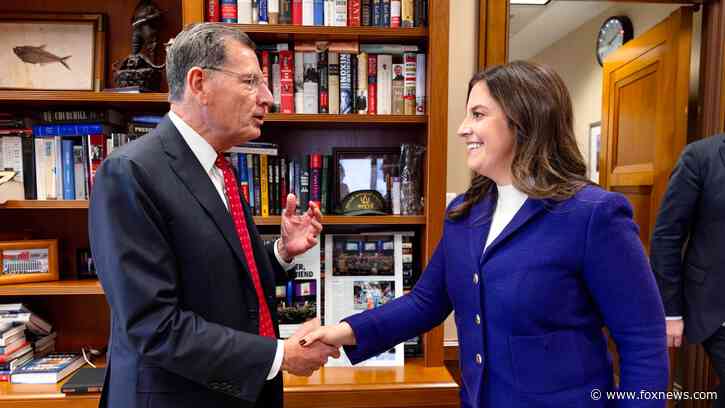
(138, 69)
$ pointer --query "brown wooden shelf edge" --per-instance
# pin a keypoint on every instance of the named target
(61, 287)
(268, 31)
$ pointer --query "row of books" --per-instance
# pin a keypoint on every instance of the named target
(345, 77)
(333, 13)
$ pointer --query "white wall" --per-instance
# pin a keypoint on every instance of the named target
(573, 57)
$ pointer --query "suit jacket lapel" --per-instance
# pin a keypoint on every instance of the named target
(530, 208)
(190, 172)
(479, 224)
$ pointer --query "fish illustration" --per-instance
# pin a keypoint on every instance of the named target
(38, 55)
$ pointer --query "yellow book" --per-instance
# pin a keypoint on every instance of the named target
(264, 184)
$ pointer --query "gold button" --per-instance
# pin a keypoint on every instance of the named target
(475, 279)
(479, 359)
(478, 318)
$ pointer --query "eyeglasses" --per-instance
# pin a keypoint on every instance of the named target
(253, 82)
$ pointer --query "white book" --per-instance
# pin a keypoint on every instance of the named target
(79, 170)
(255, 12)
(308, 12)
(311, 83)
(11, 157)
(58, 168)
(276, 81)
(420, 85)
(299, 82)
(340, 13)
(395, 13)
(385, 79)
(273, 11)
(244, 11)
(333, 81)
(45, 171)
(362, 83)
(329, 13)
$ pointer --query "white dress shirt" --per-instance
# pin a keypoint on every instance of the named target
(207, 156)
(509, 202)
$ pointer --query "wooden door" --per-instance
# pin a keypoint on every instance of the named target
(644, 118)
(644, 115)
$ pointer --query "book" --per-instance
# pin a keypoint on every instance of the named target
(12, 335)
(48, 370)
(244, 11)
(228, 11)
(273, 11)
(86, 380)
(420, 84)
(308, 12)
(333, 81)
(385, 70)
(212, 11)
(361, 103)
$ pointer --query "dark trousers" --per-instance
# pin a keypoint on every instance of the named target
(715, 348)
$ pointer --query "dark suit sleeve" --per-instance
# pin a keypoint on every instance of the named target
(425, 307)
(618, 276)
(139, 273)
(672, 229)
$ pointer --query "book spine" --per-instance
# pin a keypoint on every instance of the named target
(365, 12)
(345, 84)
(297, 12)
(304, 183)
(377, 12)
(372, 80)
(212, 11)
(68, 169)
(45, 168)
(353, 13)
(311, 86)
(340, 13)
(333, 81)
(319, 12)
(97, 144)
(250, 180)
(257, 185)
(298, 183)
(264, 64)
(283, 183)
(395, 13)
(255, 11)
(243, 177)
(385, 62)
(410, 61)
(324, 185)
(329, 13)
(308, 12)
(421, 13)
(228, 10)
(244, 11)
(264, 184)
(276, 82)
(324, 102)
(29, 176)
(272, 185)
(386, 13)
(286, 68)
(361, 102)
(353, 82)
(262, 12)
(273, 10)
(406, 14)
(316, 179)
(285, 12)
(299, 68)
(398, 89)
(420, 84)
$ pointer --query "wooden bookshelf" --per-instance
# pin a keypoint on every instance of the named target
(291, 33)
(412, 385)
(61, 287)
(352, 118)
(46, 98)
(45, 204)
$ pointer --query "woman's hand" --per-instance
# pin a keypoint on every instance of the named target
(336, 336)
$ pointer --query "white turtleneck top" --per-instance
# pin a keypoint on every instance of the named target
(510, 200)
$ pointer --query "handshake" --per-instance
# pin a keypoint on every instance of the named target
(312, 345)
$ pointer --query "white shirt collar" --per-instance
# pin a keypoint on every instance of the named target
(198, 145)
(508, 195)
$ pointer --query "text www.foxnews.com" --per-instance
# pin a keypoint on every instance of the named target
(653, 395)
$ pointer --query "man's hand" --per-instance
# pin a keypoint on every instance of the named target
(299, 232)
(304, 361)
(675, 328)
(338, 335)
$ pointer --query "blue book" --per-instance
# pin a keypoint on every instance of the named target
(49, 369)
(263, 11)
(69, 129)
(152, 119)
(250, 178)
(319, 12)
(68, 169)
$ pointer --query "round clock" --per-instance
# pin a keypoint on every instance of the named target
(615, 31)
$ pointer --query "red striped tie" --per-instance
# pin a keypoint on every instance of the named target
(235, 208)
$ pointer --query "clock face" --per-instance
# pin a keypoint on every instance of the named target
(614, 32)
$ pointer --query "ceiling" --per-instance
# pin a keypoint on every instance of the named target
(534, 28)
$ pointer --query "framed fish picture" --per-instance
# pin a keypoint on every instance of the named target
(52, 51)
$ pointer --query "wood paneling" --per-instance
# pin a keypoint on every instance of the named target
(711, 101)
(635, 102)
(119, 13)
(493, 27)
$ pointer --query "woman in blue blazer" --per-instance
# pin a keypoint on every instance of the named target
(534, 260)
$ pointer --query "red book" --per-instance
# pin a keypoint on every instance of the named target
(297, 12)
(353, 13)
(212, 11)
(96, 154)
(265, 67)
(372, 84)
(316, 179)
(287, 81)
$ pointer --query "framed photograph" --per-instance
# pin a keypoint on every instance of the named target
(364, 168)
(52, 51)
(28, 261)
(595, 137)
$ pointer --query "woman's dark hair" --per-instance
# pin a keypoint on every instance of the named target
(547, 163)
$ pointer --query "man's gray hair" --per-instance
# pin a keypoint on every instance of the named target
(198, 45)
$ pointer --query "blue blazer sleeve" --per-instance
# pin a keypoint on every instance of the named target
(425, 307)
(622, 285)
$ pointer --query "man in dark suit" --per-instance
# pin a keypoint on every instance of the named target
(688, 251)
(188, 279)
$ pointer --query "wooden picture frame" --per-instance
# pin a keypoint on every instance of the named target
(352, 161)
(28, 261)
(52, 51)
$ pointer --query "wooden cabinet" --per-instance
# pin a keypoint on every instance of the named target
(78, 308)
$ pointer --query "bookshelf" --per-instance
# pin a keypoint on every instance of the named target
(78, 308)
